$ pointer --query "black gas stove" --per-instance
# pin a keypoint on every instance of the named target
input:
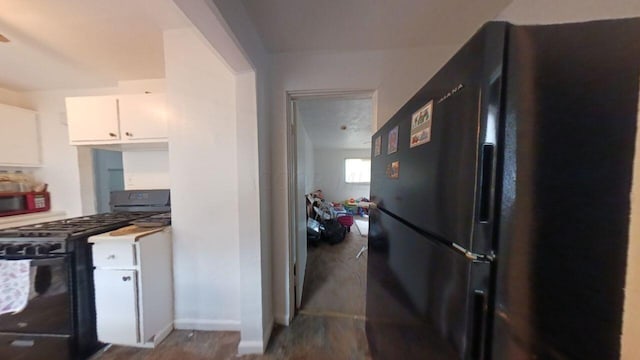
(59, 322)
(54, 236)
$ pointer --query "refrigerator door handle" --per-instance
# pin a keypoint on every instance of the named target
(473, 256)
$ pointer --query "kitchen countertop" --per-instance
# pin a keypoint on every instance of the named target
(129, 234)
(28, 219)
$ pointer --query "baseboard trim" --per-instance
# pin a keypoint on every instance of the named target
(267, 334)
(281, 319)
(250, 347)
(207, 325)
(246, 347)
(162, 334)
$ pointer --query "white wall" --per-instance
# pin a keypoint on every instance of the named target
(252, 311)
(395, 74)
(13, 98)
(204, 183)
(330, 172)
(238, 43)
(265, 173)
(552, 11)
(146, 169)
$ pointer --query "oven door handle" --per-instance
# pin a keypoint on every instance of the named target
(47, 261)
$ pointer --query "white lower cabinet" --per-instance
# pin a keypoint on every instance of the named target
(133, 282)
(116, 297)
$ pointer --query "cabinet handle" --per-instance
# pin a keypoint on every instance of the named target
(111, 257)
(126, 278)
(129, 134)
(112, 134)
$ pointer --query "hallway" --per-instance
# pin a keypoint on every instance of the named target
(335, 282)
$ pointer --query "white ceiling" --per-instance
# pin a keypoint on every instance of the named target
(83, 43)
(353, 25)
(323, 117)
(339, 25)
(95, 43)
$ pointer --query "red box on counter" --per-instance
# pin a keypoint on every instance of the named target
(38, 201)
(18, 203)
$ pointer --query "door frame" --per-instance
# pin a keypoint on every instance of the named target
(292, 191)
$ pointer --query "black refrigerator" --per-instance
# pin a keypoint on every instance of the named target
(500, 222)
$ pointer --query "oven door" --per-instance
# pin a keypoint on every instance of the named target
(49, 310)
(35, 347)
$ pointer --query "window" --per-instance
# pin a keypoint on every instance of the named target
(357, 171)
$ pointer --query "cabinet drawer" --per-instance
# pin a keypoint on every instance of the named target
(114, 255)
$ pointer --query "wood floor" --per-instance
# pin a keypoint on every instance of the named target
(330, 324)
(335, 280)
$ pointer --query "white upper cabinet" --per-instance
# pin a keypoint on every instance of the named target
(92, 118)
(121, 119)
(19, 137)
(143, 116)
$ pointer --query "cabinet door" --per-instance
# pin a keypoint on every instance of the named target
(143, 116)
(19, 138)
(113, 254)
(117, 306)
(92, 118)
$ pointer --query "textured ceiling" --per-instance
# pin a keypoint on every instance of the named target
(83, 43)
(322, 119)
(347, 25)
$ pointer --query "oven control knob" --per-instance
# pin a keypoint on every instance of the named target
(43, 249)
(30, 250)
(54, 246)
(15, 249)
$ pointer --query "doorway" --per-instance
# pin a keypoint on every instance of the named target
(329, 132)
(108, 175)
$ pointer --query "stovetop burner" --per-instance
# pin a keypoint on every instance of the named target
(74, 226)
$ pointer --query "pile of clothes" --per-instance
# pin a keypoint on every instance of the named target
(326, 221)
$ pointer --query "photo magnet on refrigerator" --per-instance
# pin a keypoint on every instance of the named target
(421, 125)
(392, 145)
(393, 170)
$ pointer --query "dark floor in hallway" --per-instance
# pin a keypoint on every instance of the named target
(330, 324)
(335, 280)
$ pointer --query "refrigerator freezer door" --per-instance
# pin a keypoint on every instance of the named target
(436, 185)
(423, 300)
(426, 299)
(572, 110)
